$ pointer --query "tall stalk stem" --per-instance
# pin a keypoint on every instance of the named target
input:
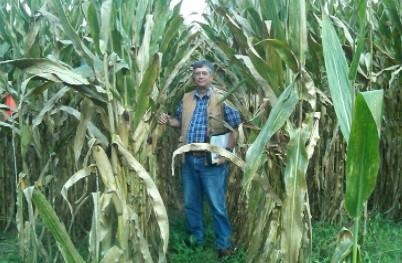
(355, 238)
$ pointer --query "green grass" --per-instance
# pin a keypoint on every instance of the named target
(178, 252)
(382, 243)
(8, 247)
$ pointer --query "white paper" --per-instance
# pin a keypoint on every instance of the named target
(221, 141)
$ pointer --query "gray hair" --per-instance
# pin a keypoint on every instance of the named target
(203, 63)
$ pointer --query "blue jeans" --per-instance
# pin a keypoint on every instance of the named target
(199, 180)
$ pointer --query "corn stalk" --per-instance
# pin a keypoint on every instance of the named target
(105, 89)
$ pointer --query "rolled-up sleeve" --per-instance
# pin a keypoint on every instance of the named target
(231, 116)
(179, 111)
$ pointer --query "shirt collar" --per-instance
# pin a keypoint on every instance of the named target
(208, 94)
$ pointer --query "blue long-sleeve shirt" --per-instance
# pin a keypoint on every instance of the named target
(198, 128)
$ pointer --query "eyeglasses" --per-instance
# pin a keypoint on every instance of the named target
(201, 73)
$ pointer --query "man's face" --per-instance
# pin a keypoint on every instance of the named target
(202, 77)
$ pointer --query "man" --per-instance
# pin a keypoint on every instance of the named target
(200, 115)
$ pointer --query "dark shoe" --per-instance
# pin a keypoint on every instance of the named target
(191, 243)
(225, 253)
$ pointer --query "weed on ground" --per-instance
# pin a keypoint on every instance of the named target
(180, 253)
(8, 247)
(382, 242)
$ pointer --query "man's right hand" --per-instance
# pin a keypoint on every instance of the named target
(164, 119)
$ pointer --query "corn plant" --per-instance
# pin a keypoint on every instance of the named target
(359, 37)
(360, 128)
(103, 77)
(268, 62)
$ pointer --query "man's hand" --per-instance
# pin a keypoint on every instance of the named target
(220, 160)
(164, 119)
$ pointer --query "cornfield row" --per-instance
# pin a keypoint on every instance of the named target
(86, 164)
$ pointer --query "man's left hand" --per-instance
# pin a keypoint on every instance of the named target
(220, 160)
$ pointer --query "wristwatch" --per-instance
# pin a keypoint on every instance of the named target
(229, 149)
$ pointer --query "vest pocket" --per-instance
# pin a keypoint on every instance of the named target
(216, 124)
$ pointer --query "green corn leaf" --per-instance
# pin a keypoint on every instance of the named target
(238, 33)
(161, 27)
(144, 51)
(337, 73)
(145, 89)
(243, 23)
(127, 18)
(360, 40)
(71, 32)
(184, 56)
(375, 101)
(271, 12)
(106, 21)
(57, 71)
(265, 70)
(362, 160)
(34, 5)
(260, 80)
(298, 28)
(172, 27)
(279, 115)
(8, 32)
(4, 47)
(49, 105)
(93, 25)
(285, 53)
(31, 38)
(48, 69)
(54, 225)
(217, 41)
(256, 23)
(91, 92)
(140, 13)
(92, 129)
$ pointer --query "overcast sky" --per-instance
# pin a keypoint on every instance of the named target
(191, 9)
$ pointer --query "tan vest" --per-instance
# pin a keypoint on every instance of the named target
(214, 111)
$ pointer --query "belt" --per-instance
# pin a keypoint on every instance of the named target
(198, 153)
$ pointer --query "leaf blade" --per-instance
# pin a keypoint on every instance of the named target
(279, 115)
(337, 73)
(363, 159)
